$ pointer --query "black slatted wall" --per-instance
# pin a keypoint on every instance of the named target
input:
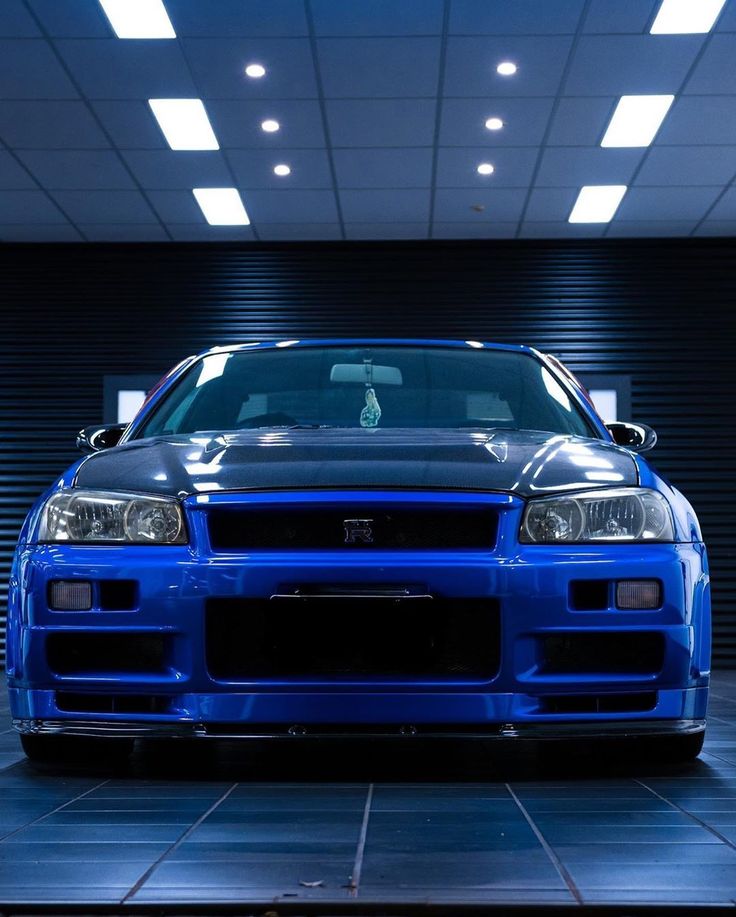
(662, 311)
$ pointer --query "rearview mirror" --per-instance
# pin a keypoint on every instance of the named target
(366, 373)
(96, 438)
(635, 436)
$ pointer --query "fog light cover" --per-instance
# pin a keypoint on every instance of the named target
(639, 595)
(70, 595)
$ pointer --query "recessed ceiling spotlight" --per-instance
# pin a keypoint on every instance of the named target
(494, 124)
(485, 168)
(184, 123)
(221, 206)
(255, 71)
(636, 120)
(506, 68)
(686, 17)
(282, 169)
(597, 203)
(270, 126)
(138, 18)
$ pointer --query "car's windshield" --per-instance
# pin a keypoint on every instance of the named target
(367, 386)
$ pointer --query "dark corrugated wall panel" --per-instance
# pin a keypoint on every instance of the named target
(662, 311)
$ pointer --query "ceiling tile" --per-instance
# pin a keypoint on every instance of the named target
(126, 232)
(165, 169)
(619, 16)
(77, 169)
(382, 123)
(550, 204)
(463, 121)
(238, 124)
(16, 21)
(715, 71)
(388, 168)
(284, 206)
(234, 17)
(457, 167)
(287, 232)
(710, 120)
(620, 64)
(72, 18)
(575, 166)
(522, 17)
(499, 206)
(218, 65)
(177, 207)
(13, 175)
(392, 230)
(666, 204)
(52, 125)
(114, 69)
(254, 168)
(401, 204)
(379, 67)
(378, 18)
(29, 70)
(562, 230)
(38, 232)
(105, 206)
(653, 228)
(581, 121)
(725, 209)
(130, 124)
(689, 165)
(487, 230)
(201, 232)
(470, 68)
(28, 207)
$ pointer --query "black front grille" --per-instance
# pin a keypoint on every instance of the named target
(112, 653)
(348, 637)
(352, 527)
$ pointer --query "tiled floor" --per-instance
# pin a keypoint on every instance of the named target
(292, 823)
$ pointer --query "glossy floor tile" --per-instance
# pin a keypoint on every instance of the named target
(394, 823)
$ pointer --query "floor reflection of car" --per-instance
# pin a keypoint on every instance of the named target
(418, 538)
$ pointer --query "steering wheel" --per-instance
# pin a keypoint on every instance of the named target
(276, 419)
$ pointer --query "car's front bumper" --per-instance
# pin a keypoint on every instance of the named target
(531, 586)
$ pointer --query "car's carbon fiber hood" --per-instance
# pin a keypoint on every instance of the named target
(520, 462)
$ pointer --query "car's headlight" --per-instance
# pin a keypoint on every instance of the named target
(86, 516)
(621, 514)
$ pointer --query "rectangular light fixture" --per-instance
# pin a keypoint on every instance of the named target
(597, 203)
(184, 123)
(636, 120)
(222, 206)
(138, 18)
(686, 17)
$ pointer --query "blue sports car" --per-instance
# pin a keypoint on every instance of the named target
(361, 537)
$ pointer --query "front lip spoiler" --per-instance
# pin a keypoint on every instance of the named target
(496, 731)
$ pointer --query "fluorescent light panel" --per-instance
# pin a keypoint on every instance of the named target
(686, 17)
(184, 123)
(636, 120)
(222, 206)
(138, 18)
(597, 203)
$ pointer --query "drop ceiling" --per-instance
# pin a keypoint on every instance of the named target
(382, 107)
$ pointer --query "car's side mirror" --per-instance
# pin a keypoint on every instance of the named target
(635, 436)
(96, 438)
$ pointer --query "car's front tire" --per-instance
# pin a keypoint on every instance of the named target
(43, 749)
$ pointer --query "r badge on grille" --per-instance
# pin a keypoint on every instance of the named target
(358, 530)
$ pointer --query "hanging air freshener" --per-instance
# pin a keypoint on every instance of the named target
(371, 413)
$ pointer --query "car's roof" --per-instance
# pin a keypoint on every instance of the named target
(358, 342)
